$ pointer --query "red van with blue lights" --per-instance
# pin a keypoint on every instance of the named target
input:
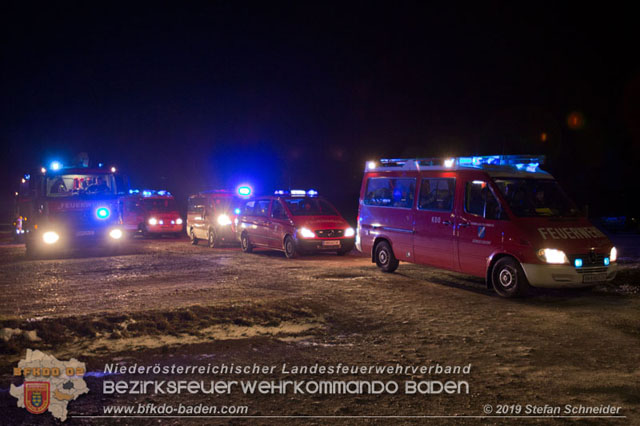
(294, 222)
(498, 217)
(151, 213)
(65, 207)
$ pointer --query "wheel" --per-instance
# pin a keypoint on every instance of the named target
(145, 231)
(245, 244)
(289, 247)
(385, 259)
(508, 279)
(32, 249)
(212, 240)
(192, 237)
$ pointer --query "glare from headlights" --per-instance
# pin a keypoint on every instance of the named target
(553, 256)
(116, 234)
(153, 221)
(349, 232)
(179, 221)
(50, 237)
(224, 220)
(306, 233)
(613, 256)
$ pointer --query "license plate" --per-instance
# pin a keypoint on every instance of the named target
(84, 233)
(333, 243)
(594, 278)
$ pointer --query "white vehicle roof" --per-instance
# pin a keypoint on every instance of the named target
(511, 166)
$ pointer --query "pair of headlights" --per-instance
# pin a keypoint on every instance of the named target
(307, 233)
(153, 221)
(52, 237)
(559, 257)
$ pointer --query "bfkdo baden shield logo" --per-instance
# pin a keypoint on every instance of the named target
(36, 396)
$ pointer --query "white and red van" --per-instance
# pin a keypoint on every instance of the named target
(497, 217)
(295, 221)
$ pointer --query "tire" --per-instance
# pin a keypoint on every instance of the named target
(192, 237)
(245, 244)
(212, 239)
(289, 247)
(33, 251)
(385, 259)
(508, 279)
(145, 232)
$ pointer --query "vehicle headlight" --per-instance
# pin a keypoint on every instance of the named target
(349, 232)
(224, 220)
(179, 221)
(613, 256)
(153, 221)
(116, 234)
(306, 233)
(552, 256)
(50, 237)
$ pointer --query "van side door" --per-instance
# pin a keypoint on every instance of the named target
(434, 236)
(279, 223)
(480, 226)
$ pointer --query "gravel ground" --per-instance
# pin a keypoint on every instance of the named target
(167, 301)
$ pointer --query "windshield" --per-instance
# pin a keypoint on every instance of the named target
(536, 197)
(74, 184)
(160, 204)
(310, 207)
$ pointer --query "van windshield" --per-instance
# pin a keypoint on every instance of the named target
(310, 207)
(536, 197)
(160, 204)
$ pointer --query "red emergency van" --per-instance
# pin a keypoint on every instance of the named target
(151, 213)
(295, 221)
(497, 217)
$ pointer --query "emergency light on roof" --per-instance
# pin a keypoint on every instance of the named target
(151, 192)
(529, 163)
(244, 190)
(55, 165)
(297, 192)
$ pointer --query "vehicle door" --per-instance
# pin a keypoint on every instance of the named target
(256, 221)
(195, 217)
(480, 225)
(279, 223)
(434, 236)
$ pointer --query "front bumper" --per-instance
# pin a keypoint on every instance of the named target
(557, 276)
(163, 229)
(326, 244)
(70, 238)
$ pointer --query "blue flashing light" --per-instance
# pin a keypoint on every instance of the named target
(100, 165)
(27, 176)
(312, 193)
(237, 211)
(147, 193)
(103, 213)
(577, 263)
(532, 167)
(281, 192)
(55, 165)
(298, 192)
(244, 190)
(607, 261)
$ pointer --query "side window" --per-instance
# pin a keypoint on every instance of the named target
(262, 208)
(195, 205)
(249, 207)
(390, 192)
(480, 201)
(277, 211)
(437, 194)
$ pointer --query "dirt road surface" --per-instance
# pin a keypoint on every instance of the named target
(165, 301)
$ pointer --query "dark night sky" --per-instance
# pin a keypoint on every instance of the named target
(196, 96)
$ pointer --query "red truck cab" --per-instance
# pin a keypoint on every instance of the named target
(294, 222)
(151, 213)
(497, 217)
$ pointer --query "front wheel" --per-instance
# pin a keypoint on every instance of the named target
(289, 247)
(212, 239)
(508, 279)
(192, 237)
(385, 259)
(245, 244)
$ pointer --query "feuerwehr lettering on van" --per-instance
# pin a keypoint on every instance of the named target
(570, 233)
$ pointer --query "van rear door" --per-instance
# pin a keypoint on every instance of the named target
(434, 226)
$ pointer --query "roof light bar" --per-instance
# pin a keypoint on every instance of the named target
(529, 163)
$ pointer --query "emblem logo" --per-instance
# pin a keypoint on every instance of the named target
(481, 231)
(36, 397)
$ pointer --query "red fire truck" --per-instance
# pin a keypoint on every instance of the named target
(64, 207)
(498, 217)
(151, 213)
